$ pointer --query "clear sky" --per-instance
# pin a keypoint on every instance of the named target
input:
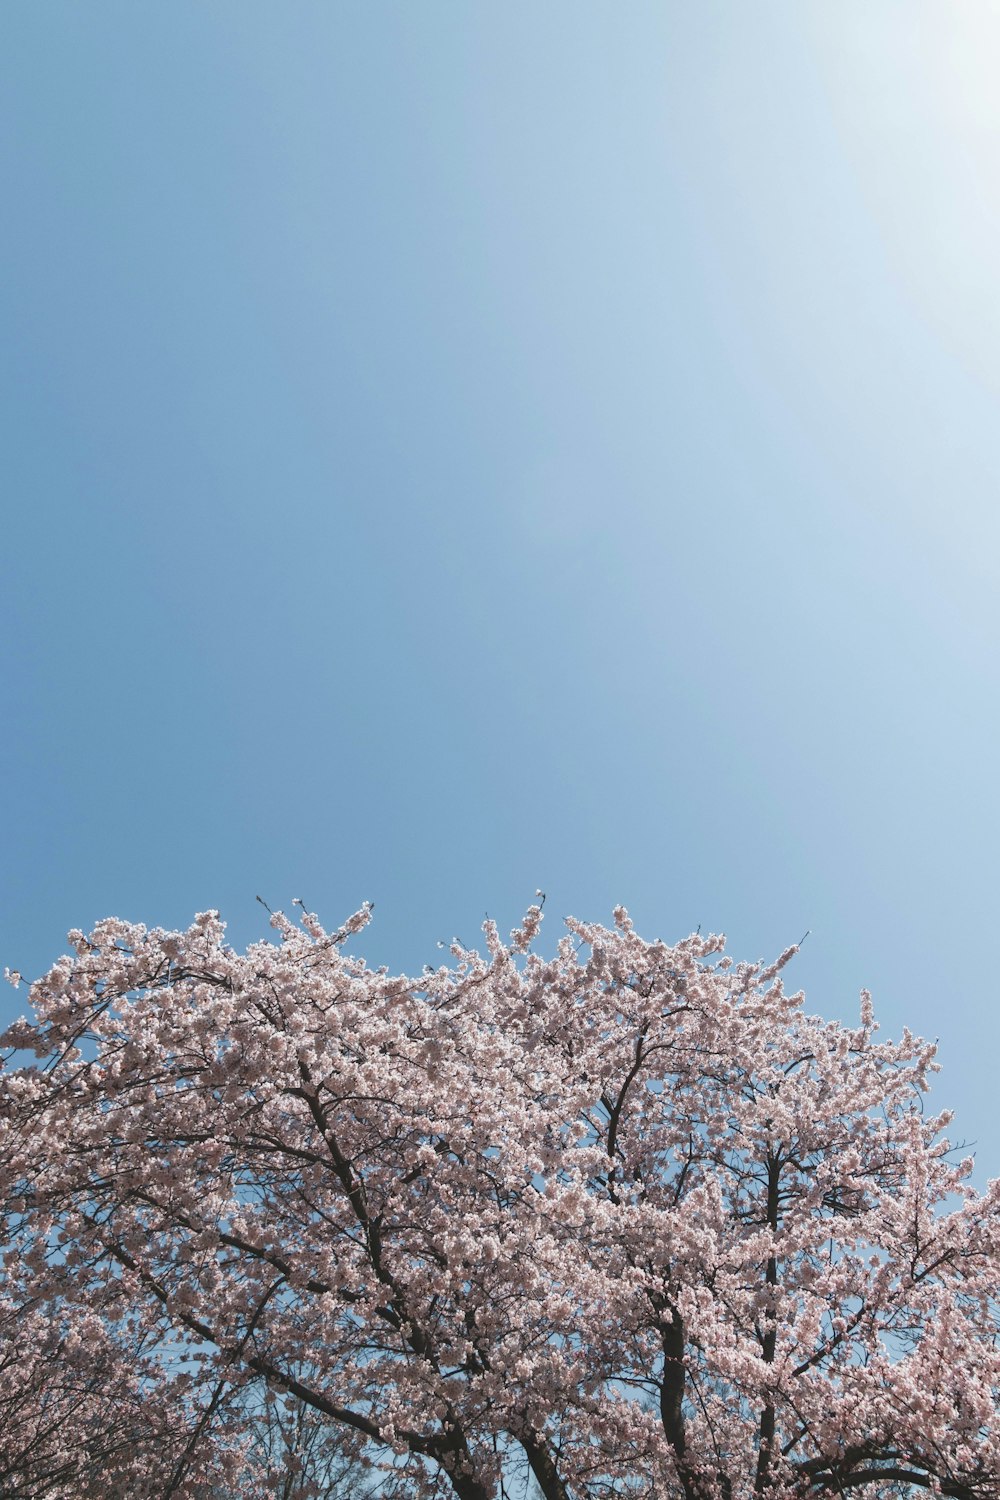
(455, 449)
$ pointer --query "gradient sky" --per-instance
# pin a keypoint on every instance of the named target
(454, 449)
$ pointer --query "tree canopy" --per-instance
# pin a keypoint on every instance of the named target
(626, 1219)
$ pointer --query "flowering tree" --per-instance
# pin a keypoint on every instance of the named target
(85, 1412)
(627, 1216)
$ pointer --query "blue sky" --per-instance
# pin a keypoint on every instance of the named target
(451, 450)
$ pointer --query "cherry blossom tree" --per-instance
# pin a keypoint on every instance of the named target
(301, 1455)
(627, 1217)
(86, 1413)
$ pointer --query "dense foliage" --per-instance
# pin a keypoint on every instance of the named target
(626, 1219)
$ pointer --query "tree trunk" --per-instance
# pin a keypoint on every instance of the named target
(544, 1469)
